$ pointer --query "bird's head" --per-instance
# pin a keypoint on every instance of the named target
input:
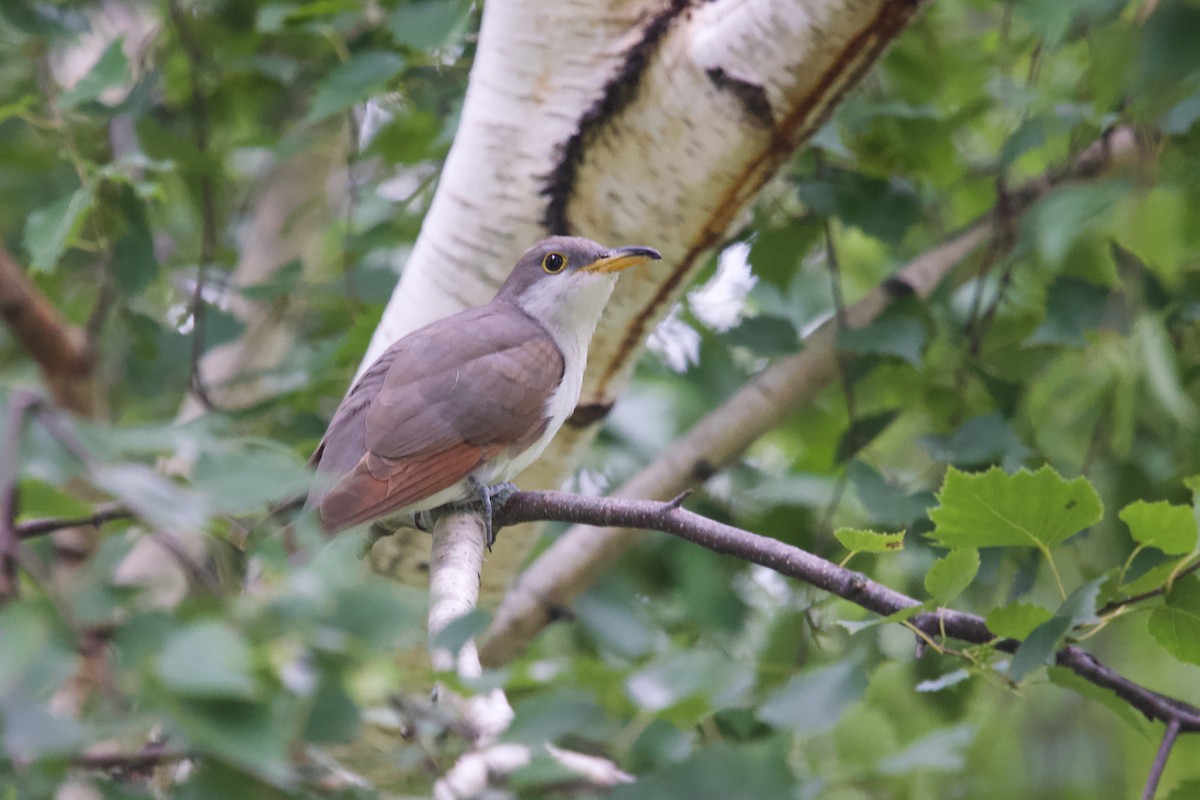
(566, 280)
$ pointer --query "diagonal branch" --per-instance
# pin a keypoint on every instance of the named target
(59, 348)
(816, 571)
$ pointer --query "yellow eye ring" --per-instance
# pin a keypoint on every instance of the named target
(554, 263)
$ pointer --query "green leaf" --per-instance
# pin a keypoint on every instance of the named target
(134, 263)
(111, 69)
(869, 541)
(899, 333)
(1043, 642)
(978, 441)
(1061, 676)
(862, 433)
(52, 229)
(1187, 790)
(994, 509)
(1170, 528)
(707, 676)
(333, 718)
(1182, 116)
(207, 660)
(461, 630)
(951, 574)
(719, 772)
(357, 79)
(1176, 624)
(425, 25)
(1038, 648)
(813, 701)
(31, 731)
(548, 717)
(887, 504)
(248, 479)
(765, 336)
(1059, 218)
(152, 497)
(1016, 620)
(1073, 307)
(940, 751)
(883, 209)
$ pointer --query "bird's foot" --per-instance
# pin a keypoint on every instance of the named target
(489, 498)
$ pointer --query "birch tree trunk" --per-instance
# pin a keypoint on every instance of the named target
(638, 122)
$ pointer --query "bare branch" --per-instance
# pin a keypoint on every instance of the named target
(1160, 759)
(103, 514)
(59, 348)
(816, 571)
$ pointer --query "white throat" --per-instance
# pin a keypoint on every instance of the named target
(569, 309)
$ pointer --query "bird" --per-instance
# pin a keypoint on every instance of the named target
(453, 411)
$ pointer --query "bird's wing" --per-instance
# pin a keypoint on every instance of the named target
(434, 408)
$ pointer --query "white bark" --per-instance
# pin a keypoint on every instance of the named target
(454, 569)
(639, 122)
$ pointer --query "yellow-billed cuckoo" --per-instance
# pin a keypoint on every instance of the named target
(470, 400)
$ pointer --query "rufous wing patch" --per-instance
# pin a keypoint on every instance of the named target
(378, 485)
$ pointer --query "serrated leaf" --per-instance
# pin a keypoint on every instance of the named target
(52, 229)
(207, 660)
(353, 81)
(1175, 625)
(994, 509)
(869, 541)
(1016, 620)
(1043, 642)
(1038, 648)
(951, 574)
(1170, 528)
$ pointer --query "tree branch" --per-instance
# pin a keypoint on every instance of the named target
(1160, 759)
(59, 348)
(816, 571)
(575, 559)
(108, 512)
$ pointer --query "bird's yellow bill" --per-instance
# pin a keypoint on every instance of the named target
(622, 258)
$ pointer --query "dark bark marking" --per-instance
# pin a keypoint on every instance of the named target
(618, 93)
(752, 96)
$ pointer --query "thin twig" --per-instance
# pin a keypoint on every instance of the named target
(198, 107)
(1160, 759)
(1108, 608)
(129, 761)
(816, 571)
(103, 514)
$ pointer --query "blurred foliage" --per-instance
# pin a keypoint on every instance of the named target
(1072, 351)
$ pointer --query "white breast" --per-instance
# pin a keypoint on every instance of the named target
(569, 309)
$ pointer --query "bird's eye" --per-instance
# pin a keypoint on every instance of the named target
(554, 262)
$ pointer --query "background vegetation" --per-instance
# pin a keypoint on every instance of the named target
(1069, 340)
